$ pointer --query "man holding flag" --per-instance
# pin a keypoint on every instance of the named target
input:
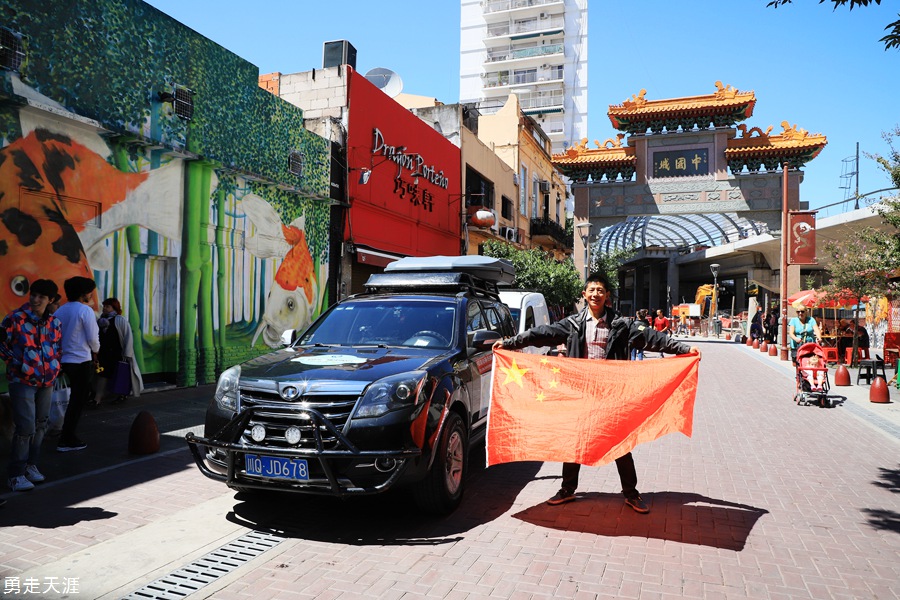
(599, 332)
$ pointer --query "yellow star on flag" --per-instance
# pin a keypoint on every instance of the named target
(513, 374)
(539, 397)
(554, 369)
(544, 361)
(553, 383)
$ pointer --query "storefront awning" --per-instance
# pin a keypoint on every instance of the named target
(375, 258)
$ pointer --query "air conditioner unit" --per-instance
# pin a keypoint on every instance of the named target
(545, 186)
(544, 15)
(510, 233)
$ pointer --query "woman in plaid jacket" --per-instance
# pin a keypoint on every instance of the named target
(31, 338)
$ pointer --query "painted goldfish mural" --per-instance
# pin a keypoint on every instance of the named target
(297, 293)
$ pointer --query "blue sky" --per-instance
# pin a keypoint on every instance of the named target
(820, 69)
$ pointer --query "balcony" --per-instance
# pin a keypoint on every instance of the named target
(545, 231)
(503, 54)
(542, 102)
(555, 24)
(494, 6)
(498, 79)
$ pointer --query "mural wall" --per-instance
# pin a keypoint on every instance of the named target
(192, 219)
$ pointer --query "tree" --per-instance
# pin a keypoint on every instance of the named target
(609, 262)
(860, 266)
(891, 40)
(536, 269)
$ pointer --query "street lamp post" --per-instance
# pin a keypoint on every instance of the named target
(715, 297)
(585, 239)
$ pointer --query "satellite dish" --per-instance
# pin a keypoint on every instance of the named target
(385, 80)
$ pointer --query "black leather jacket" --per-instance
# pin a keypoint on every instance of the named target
(624, 334)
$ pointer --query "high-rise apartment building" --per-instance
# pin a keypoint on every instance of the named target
(536, 49)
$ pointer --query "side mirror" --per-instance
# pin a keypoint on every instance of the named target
(287, 338)
(484, 339)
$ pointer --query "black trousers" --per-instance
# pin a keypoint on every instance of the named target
(625, 466)
(80, 376)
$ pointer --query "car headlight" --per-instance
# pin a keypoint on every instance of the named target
(227, 388)
(391, 393)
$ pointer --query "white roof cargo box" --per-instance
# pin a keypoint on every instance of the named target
(496, 270)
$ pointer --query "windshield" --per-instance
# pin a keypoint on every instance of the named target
(412, 323)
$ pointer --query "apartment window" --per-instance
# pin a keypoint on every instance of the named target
(523, 191)
(521, 76)
(534, 197)
(556, 72)
(506, 208)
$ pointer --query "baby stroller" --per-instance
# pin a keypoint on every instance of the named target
(812, 376)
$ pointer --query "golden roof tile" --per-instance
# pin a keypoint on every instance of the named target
(791, 140)
(725, 100)
(609, 152)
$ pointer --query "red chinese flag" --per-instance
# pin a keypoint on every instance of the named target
(550, 408)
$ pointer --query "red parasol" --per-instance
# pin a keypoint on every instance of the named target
(807, 298)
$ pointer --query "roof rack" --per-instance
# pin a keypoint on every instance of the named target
(494, 270)
(415, 281)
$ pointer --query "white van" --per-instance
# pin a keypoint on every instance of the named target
(528, 309)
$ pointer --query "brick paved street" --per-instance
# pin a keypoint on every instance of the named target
(767, 500)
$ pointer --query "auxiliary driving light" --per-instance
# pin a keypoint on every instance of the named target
(385, 464)
(258, 433)
(292, 436)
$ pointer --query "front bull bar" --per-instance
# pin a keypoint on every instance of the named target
(344, 449)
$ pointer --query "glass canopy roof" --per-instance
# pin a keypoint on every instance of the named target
(678, 232)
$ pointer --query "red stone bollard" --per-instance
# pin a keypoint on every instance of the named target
(727, 337)
(144, 435)
(773, 350)
(749, 341)
(756, 344)
(841, 375)
(764, 347)
(878, 393)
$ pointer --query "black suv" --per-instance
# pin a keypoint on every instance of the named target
(387, 388)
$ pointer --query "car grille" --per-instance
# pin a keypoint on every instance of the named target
(277, 414)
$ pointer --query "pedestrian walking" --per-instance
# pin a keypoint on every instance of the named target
(599, 333)
(31, 338)
(116, 352)
(80, 345)
(643, 316)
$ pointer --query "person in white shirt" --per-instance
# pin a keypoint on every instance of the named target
(80, 345)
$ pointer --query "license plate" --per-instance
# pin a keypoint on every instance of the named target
(276, 467)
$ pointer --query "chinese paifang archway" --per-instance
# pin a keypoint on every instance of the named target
(688, 156)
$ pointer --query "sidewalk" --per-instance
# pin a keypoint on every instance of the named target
(766, 500)
(106, 431)
(854, 398)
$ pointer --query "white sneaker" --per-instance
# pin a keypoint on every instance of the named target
(20, 484)
(33, 475)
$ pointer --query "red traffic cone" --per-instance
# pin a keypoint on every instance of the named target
(878, 393)
(773, 350)
(144, 435)
(764, 347)
(841, 375)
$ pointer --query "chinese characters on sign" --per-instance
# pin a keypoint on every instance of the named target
(681, 163)
(16, 586)
(409, 190)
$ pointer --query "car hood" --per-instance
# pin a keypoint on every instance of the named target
(339, 363)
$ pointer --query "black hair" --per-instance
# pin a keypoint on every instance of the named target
(598, 277)
(45, 287)
(76, 287)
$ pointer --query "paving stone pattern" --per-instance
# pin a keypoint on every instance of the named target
(766, 500)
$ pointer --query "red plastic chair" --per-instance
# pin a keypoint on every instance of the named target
(831, 355)
(861, 353)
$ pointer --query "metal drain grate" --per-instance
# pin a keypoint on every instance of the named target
(203, 571)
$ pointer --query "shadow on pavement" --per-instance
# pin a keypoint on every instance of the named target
(675, 516)
(885, 519)
(391, 518)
